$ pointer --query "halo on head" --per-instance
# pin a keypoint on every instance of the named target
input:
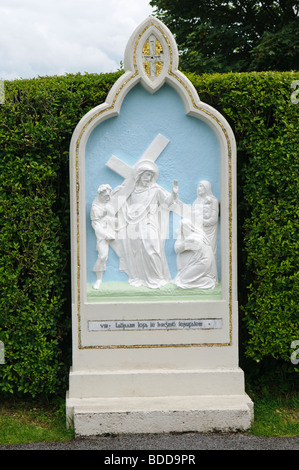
(146, 165)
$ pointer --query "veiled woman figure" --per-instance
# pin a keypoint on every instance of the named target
(195, 259)
(205, 212)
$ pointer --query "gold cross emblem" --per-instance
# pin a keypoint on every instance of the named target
(152, 57)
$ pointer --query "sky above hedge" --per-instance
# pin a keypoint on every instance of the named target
(38, 37)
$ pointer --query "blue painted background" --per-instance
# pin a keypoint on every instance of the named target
(191, 155)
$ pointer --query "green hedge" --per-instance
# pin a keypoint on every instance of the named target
(36, 124)
(265, 122)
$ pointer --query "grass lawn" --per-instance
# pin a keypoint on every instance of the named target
(23, 421)
(276, 415)
(33, 421)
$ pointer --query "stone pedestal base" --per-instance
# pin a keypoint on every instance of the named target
(137, 415)
(172, 412)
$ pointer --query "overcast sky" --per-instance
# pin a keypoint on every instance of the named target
(52, 37)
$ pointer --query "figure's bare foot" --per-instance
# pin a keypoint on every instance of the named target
(97, 284)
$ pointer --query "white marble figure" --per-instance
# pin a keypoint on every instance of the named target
(142, 226)
(205, 212)
(138, 228)
(195, 259)
(102, 221)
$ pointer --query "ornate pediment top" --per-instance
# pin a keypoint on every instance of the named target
(152, 53)
(151, 59)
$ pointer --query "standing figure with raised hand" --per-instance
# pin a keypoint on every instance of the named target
(142, 228)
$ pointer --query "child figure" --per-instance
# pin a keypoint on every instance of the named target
(102, 221)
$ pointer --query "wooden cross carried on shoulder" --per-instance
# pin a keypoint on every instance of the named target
(151, 154)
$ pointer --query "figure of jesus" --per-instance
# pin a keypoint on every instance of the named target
(142, 225)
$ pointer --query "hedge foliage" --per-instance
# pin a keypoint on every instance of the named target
(36, 124)
(265, 122)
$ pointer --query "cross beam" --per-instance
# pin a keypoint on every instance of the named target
(152, 57)
(127, 172)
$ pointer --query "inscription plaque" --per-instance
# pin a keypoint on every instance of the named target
(154, 325)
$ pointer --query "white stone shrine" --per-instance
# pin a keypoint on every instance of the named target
(154, 256)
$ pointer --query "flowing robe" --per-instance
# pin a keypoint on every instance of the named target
(205, 217)
(196, 262)
(142, 229)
